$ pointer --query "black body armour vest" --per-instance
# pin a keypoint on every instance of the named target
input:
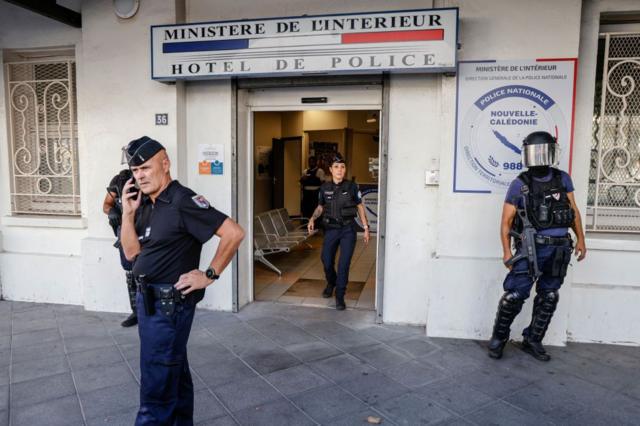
(547, 203)
(340, 208)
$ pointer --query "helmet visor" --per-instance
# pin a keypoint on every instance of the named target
(544, 154)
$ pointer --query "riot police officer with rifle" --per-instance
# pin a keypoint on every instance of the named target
(538, 211)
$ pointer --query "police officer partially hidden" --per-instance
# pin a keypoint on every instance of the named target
(340, 201)
(171, 225)
(112, 207)
(311, 180)
(538, 210)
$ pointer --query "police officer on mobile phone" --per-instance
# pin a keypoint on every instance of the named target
(164, 226)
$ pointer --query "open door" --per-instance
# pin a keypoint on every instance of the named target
(277, 162)
(282, 151)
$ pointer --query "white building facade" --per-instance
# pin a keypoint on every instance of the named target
(439, 260)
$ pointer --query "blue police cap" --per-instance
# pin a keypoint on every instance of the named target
(140, 150)
(336, 159)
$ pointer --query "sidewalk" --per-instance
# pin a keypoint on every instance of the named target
(276, 364)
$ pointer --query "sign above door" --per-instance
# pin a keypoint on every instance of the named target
(408, 41)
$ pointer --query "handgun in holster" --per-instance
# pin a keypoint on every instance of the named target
(148, 296)
(167, 299)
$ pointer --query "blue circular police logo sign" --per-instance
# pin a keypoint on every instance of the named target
(497, 122)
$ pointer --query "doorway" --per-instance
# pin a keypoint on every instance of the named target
(293, 151)
(278, 130)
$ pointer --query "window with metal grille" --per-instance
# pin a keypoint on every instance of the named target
(614, 178)
(43, 135)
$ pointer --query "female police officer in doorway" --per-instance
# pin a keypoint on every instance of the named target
(340, 201)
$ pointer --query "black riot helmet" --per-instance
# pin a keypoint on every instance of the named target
(140, 150)
(540, 149)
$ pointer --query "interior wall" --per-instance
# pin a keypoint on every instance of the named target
(267, 126)
(292, 123)
(362, 148)
(323, 120)
(292, 165)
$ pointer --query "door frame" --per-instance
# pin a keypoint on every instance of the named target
(251, 97)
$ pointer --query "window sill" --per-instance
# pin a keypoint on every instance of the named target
(45, 222)
(612, 241)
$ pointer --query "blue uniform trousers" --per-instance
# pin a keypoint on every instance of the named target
(166, 388)
(518, 278)
(345, 238)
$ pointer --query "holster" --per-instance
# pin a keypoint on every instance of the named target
(560, 262)
(166, 295)
(148, 295)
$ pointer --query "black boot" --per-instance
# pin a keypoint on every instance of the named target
(130, 321)
(328, 291)
(544, 305)
(131, 288)
(508, 308)
(340, 305)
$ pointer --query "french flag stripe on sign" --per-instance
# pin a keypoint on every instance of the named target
(393, 36)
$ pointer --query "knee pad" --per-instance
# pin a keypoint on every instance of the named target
(547, 300)
(511, 302)
(551, 296)
(512, 296)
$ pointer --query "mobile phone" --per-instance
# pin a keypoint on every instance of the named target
(135, 187)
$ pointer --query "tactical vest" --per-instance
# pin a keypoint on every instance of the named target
(547, 203)
(340, 208)
(311, 178)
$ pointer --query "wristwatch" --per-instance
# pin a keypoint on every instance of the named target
(211, 273)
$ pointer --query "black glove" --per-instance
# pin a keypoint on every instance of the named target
(115, 218)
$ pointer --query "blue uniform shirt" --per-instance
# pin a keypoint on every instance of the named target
(171, 233)
(514, 197)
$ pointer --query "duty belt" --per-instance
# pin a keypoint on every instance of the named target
(553, 241)
(167, 291)
(166, 294)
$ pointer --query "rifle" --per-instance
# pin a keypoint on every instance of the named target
(527, 239)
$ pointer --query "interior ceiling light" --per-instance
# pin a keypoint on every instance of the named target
(373, 118)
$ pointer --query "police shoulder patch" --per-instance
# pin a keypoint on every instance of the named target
(200, 201)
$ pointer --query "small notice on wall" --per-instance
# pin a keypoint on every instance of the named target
(499, 104)
(210, 159)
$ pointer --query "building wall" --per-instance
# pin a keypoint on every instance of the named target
(44, 253)
(467, 269)
(448, 241)
(209, 118)
(605, 288)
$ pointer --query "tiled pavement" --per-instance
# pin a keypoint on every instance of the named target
(289, 365)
